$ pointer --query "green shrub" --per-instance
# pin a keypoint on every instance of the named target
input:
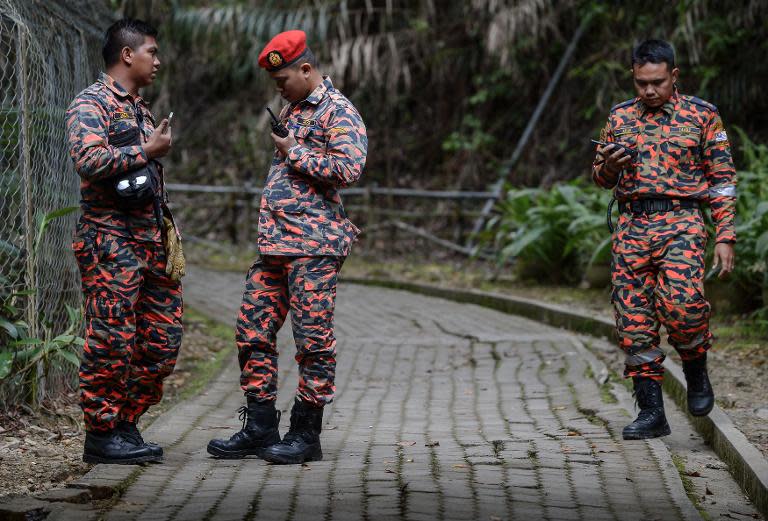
(552, 235)
(27, 359)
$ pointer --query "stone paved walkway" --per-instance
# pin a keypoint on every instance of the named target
(444, 411)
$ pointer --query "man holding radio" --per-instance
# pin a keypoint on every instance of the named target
(127, 249)
(304, 237)
(679, 157)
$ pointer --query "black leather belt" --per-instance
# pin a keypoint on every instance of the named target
(647, 206)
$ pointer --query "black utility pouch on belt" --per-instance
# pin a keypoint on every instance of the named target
(138, 187)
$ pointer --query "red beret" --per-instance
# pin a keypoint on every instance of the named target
(283, 50)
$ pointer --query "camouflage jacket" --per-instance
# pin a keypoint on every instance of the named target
(301, 211)
(683, 153)
(101, 111)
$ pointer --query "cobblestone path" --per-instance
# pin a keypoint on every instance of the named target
(444, 411)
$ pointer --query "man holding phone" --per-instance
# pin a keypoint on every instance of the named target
(124, 243)
(681, 159)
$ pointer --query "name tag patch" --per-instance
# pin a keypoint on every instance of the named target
(685, 130)
(623, 131)
(117, 116)
(306, 122)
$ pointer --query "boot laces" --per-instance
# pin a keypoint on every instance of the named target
(243, 415)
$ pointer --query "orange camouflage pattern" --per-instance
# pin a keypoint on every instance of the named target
(683, 153)
(132, 308)
(133, 325)
(301, 210)
(658, 278)
(658, 257)
(305, 286)
(102, 111)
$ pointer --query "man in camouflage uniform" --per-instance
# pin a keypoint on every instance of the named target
(304, 237)
(683, 159)
(132, 305)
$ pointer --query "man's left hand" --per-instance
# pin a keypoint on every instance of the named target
(284, 143)
(724, 257)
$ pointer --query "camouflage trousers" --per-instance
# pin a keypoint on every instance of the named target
(307, 287)
(657, 278)
(133, 325)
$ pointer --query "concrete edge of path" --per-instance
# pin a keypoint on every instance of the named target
(746, 463)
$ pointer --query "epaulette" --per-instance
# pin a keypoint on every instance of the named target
(623, 104)
(701, 102)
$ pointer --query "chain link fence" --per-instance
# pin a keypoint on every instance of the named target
(49, 51)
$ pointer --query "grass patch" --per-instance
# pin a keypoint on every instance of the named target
(688, 485)
(204, 371)
(219, 256)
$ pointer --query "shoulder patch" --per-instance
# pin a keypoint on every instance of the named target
(701, 103)
(623, 104)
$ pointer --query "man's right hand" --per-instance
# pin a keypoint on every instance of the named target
(616, 158)
(159, 143)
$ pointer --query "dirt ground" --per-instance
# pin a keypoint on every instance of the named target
(42, 451)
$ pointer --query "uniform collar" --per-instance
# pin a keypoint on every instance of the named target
(317, 94)
(669, 107)
(118, 89)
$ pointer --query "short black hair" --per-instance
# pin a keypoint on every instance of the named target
(306, 57)
(126, 32)
(654, 51)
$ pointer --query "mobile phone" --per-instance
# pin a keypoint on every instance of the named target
(627, 150)
(168, 125)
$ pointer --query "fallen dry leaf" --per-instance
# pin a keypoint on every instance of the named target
(406, 443)
(432, 444)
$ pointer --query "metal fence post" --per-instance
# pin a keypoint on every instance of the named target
(29, 218)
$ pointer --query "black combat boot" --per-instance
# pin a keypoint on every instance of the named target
(112, 447)
(260, 422)
(302, 442)
(130, 432)
(651, 422)
(701, 397)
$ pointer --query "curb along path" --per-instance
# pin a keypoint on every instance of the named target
(444, 410)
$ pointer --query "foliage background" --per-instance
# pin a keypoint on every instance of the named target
(445, 87)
